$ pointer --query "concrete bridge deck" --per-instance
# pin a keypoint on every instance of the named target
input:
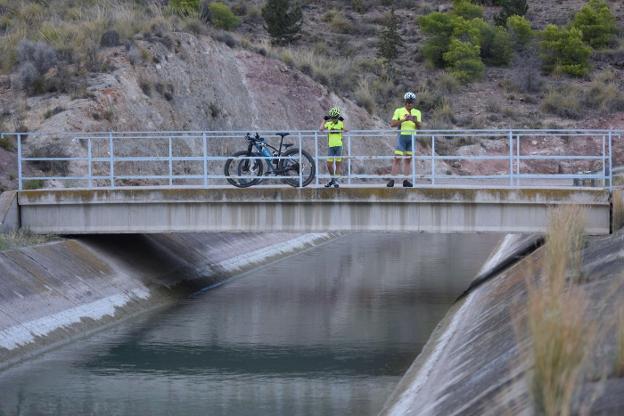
(440, 210)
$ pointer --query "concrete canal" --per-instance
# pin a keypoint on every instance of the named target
(328, 331)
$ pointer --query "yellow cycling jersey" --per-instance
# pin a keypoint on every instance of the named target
(335, 128)
(401, 112)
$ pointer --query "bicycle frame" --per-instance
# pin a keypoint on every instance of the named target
(261, 145)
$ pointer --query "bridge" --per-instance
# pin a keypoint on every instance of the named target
(440, 210)
(174, 182)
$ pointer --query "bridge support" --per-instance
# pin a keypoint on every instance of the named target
(305, 210)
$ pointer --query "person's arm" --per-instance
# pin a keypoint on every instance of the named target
(396, 121)
(322, 126)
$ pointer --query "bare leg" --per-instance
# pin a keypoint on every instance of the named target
(396, 165)
(330, 167)
(338, 169)
(407, 166)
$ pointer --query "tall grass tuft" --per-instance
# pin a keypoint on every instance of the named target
(560, 334)
(22, 238)
(617, 215)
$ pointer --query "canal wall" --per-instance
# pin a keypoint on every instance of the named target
(475, 362)
(62, 289)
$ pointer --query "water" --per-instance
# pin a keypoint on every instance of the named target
(326, 332)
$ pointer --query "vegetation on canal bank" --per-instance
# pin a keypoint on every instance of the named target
(561, 335)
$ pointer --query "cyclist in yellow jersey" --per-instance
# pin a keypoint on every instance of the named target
(407, 119)
(333, 124)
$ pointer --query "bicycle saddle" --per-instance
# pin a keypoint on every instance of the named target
(282, 135)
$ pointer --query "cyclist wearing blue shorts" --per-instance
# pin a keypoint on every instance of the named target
(333, 124)
(407, 119)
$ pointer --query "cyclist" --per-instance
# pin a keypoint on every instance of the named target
(333, 124)
(407, 119)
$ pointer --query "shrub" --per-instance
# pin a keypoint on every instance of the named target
(563, 50)
(34, 60)
(363, 96)
(496, 46)
(443, 116)
(7, 143)
(564, 102)
(340, 24)
(222, 17)
(283, 20)
(511, 8)
(520, 31)
(467, 10)
(597, 24)
(464, 61)
(184, 8)
(603, 94)
(446, 84)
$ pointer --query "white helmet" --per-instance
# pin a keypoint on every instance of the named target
(409, 96)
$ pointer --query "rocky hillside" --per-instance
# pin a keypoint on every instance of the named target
(140, 66)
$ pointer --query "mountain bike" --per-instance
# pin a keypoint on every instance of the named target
(249, 167)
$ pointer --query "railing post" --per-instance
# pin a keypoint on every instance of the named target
(604, 160)
(610, 159)
(300, 162)
(90, 162)
(432, 160)
(170, 163)
(518, 160)
(510, 158)
(205, 144)
(413, 160)
(19, 161)
(111, 151)
(348, 158)
(316, 160)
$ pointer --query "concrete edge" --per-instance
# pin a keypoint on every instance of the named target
(9, 212)
(154, 295)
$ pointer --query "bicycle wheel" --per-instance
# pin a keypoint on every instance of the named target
(248, 172)
(289, 166)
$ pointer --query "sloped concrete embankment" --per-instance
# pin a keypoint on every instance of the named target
(469, 360)
(57, 290)
(473, 363)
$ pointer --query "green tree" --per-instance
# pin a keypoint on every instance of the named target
(283, 20)
(439, 28)
(511, 8)
(520, 31)
(389, 39)
(496, 47)
(563, 50)
(222, 17)
(596, 23)
(464, 61)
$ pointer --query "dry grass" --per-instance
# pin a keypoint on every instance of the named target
(619, 358)
(21, 238)
(560, 334)
(75, 28)
(618, 209)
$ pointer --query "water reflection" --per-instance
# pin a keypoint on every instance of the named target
(329, 331)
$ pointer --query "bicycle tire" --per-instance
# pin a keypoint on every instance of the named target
(291, 165)
(242, 166)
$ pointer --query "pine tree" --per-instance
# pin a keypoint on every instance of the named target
(511, 8)
(283, 20)
(390, 40)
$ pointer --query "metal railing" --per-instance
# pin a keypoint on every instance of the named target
(518, 158)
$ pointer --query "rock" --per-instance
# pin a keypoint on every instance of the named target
(110, 39)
